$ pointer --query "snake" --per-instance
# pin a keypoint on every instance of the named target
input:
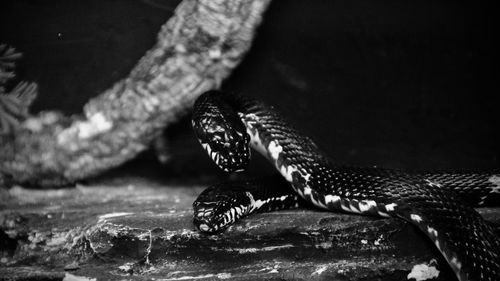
(439, 204)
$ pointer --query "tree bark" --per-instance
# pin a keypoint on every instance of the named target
(196, 49)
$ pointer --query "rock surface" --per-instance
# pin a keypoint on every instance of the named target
(135, 229)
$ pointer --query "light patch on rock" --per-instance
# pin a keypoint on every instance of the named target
(126, 267)
(57, 239)
(320, 270)
(275, 270)
(224, 275)
(71, 277)
(263, 249)
(423, 271)
(188, 277)
(323, 245)
(114, 215)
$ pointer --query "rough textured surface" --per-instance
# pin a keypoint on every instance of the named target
(139, 230)
(196, 49)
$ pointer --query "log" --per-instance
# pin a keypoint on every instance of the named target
(196, 49)
(140, 229)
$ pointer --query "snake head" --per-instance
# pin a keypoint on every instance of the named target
(222, 134)
(217, 208)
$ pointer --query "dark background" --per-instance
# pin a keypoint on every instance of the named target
(399, 84)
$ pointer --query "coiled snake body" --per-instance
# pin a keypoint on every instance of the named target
(226, 125)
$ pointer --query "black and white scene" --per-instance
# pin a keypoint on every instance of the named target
(293, 140)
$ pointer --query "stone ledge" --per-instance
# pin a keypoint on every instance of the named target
(141, 231)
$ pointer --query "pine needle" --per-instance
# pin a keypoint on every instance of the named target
(14, 105)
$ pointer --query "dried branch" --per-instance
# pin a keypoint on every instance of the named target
(196, 49)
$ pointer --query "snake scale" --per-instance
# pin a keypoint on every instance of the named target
(439, 204)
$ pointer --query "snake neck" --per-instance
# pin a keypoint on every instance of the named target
(294, 155)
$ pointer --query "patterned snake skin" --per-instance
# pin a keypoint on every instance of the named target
(439, 204)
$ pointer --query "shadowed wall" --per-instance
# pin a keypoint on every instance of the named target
(402, 85)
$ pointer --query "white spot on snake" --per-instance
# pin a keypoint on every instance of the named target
(307, 190)
(438, 246)
(204, 227)
(319, 202)
(256, 142)
(382, 214)
(349, 206)
(421, 272)
(287, 171)
(344, 207)
(432, 183)
(205, 146)
(259, 203)
(252, 201)
(495, 180)
(274, 149)
(415, 218)
(354, 205)
(238, 210)
(455, 263)
(432, 231)
(331, 199)
(390, 207)
(212, 154)
(366, 205)
(313, 198)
